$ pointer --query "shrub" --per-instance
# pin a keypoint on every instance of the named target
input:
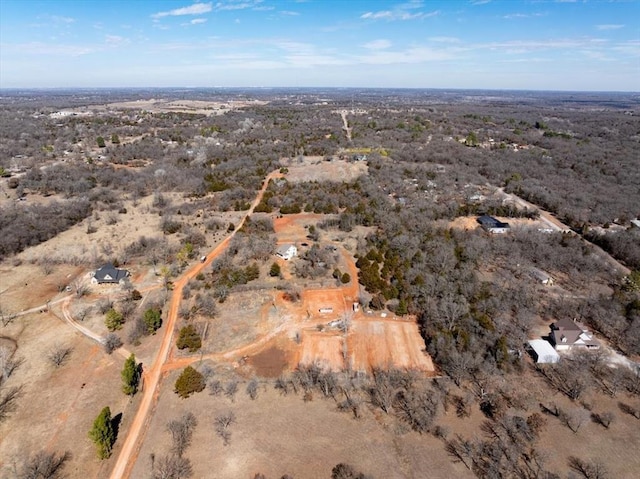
(189, 339)
(113, 320)
(153, 320)
(189, 382)
(345, 278)
(275, 270)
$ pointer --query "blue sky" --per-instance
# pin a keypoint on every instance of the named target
(494, 44)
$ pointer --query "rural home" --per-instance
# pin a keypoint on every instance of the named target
(543, 352)
(109, 274)
(287, 251)
(567, 334)
(492, 225)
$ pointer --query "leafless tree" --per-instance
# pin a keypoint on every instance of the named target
(604, 419)
(252, 389)
(9, 362)
(58, 354)
(231, 389)
(181, 431)
(42, 465)
(215, 387)
(6, 317)
(8, 401)
(591, 469)
(575, 418)
(172, 467)
(221, 425)
(112, 342)
(104, 305)
(629, 409)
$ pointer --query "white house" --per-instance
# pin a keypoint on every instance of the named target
(287, 251)
(543, 352)
(541, 277)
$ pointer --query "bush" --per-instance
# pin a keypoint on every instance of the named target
(345, 278)
(189, 339)
(113, 320)
(153, 320)
(274, 270)
(189, 382)
(135, 295)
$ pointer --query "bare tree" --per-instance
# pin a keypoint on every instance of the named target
(6, 317)
(9, 362)
(215, 387)
(59, 354)
(42, 465)
(112, 342)
(221, 425)
(252, 389)
(231, 389)
(591, 469)
(604, 419)
(181, 432)
(172, 467)
(575, 419)
(8, 401)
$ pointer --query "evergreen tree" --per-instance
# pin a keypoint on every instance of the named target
(103, 434)
(153, 320)
(275, 270)
(130, 376)
(113, 320)
(189, 382)
(189, 338)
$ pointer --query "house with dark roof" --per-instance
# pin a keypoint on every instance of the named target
(492, 225)
(567, 334)
(109, 274)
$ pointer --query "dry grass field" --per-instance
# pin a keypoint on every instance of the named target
(277, 434)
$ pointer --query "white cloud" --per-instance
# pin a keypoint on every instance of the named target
(524, 15)
(237, 5)
(609, 27)
(195, 9)
(377, 44)
(480, 2)
(198, 21)
(402, 11)
(116, 40)
(290, 13)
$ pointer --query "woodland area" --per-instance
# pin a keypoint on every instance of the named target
(432, 159)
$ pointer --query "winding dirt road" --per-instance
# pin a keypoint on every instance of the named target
(153, 375)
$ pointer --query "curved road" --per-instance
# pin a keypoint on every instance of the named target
(153, 375)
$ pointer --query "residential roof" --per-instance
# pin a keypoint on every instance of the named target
(110, 274)
(544, 351)
(487, 221)
(284, 249)
(572, 333)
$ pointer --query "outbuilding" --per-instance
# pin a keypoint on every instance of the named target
(543, 352)
(287, 251)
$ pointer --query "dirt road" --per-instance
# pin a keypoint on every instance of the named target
(346, 128)
(153, 375)
(557, 225)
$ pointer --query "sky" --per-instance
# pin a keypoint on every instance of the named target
(572, 45)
